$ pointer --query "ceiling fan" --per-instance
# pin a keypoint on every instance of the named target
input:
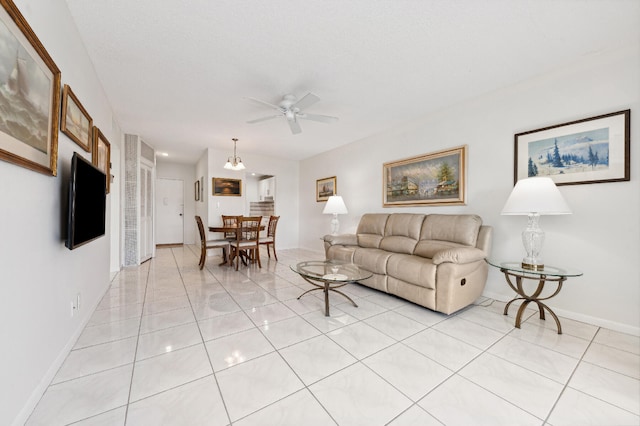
(292, 110)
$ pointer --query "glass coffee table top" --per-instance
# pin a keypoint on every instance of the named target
(331, 271)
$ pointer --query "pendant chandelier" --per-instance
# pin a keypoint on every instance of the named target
(235, 162)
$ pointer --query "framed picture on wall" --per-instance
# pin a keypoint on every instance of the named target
(30, 96)
(197, 190)
(325, 188)
(202, 188)
(591, 150)
(101, 156)
(227, 187)
(436, 179)
(76, 121)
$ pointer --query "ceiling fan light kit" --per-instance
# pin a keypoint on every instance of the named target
(235, 162)
(292, 109)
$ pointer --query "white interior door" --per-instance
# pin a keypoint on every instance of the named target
(169, 211)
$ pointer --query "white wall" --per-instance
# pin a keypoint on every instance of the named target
(601, 238)
(286, 199)
(39, 276)
(186, 173)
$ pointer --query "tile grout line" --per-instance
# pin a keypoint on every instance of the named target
(204, 345)
(135, 353)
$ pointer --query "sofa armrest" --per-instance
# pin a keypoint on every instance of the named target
(343, 239)
(458, 255)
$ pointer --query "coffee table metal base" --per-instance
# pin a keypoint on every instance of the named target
(326, 286)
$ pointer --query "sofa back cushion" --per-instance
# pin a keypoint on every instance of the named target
(402, 232)
(371, 229)
(441, 231)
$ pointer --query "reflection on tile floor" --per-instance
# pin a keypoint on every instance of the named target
(172, 345)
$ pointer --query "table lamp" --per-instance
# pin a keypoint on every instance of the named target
(335, 205)
(534, 197)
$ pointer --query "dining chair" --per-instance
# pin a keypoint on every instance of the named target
(270, 239)
(247, 243)
(230, 221)
(209, 244)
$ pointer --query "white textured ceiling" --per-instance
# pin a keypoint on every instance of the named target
(176, 72)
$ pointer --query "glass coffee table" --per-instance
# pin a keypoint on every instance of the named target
(328, 275)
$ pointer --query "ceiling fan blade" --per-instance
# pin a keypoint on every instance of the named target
(258, 120)
(320, 118)
(295, 127)
(306, 101)
(276, 107)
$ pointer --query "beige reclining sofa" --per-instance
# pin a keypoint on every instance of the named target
(436, 260)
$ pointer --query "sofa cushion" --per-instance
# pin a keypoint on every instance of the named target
(456, 228)
(371, 259)
(412, 269)
(402, 232)
(371, 229)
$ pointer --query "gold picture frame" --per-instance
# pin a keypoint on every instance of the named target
(76, 121)
(101, 155)
(435, 179)
(30, 99)
(325, 188)
(226, 187)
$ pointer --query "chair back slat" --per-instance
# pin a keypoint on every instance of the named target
(230, 221)
(273, 223)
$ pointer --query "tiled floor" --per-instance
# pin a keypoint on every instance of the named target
(172, 345)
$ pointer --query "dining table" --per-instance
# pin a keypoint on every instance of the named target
(228, 229)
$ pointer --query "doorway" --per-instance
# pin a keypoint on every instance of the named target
(169, 211)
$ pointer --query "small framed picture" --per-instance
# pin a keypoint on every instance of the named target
(197, 190)
(325, 188)
(76, 121)
(101, 156)
(227, 187)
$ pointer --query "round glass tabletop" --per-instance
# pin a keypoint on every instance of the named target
(548, 270)
(331, 270)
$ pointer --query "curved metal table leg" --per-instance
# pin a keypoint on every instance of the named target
(326, 287)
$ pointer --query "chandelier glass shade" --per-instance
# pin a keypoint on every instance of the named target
(235, 162)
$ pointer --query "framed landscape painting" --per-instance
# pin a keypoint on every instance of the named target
(591, 150)
(325, 188)
(29, 96)
(227, 187)
(76, 121)
(433, 179)
(101, 156)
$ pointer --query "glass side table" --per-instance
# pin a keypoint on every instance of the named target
(550, 274)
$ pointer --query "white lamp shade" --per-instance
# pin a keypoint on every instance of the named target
(335, 204)
(536, 195)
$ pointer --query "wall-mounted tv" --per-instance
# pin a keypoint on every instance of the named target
(87, 203)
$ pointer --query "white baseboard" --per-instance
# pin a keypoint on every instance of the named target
(576, 316)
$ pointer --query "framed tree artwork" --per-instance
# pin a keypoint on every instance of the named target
(437, 178)
(591, 150)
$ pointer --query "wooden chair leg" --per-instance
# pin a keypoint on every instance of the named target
(274, 250)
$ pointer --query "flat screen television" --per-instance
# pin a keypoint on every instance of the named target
(87, 203)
